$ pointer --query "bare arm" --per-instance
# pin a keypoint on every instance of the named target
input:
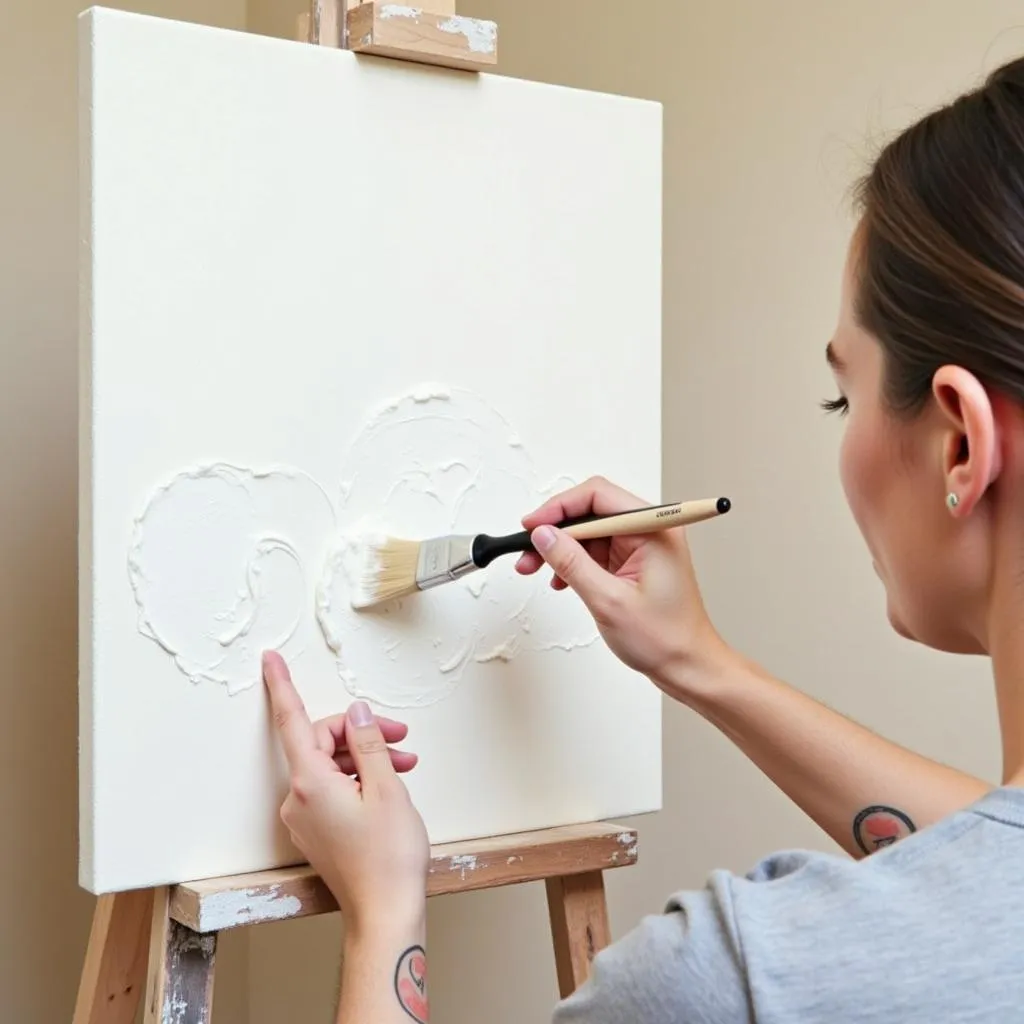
(384, 979)
(866, 792)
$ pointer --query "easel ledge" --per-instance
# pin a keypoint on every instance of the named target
(177, 925)
(217, 904)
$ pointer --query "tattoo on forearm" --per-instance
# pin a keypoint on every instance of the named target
(878, 826)
(411, 983)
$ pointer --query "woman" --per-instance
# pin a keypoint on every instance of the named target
(925, 921)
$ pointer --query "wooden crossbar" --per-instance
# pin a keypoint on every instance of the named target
(217, 904)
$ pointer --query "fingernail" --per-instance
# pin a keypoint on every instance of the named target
(359, 714)
(544, 538)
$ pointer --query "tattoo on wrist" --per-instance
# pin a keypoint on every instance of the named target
(878, 826)
(411, 983)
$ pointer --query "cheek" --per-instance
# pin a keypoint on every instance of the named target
(859, 471)
(883, 490)
(878, 487)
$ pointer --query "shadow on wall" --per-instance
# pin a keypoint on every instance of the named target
(46, 916)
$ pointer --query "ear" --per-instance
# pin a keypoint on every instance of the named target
(970, 442)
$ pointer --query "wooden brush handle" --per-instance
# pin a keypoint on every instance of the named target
(646, 520)
(641, 520)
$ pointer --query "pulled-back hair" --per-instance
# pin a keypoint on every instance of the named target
(940, 274)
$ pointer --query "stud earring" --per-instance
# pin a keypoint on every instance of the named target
(952, 500)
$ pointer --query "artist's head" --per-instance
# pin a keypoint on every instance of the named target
(929, 360)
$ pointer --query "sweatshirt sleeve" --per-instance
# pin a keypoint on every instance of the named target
(684, 966)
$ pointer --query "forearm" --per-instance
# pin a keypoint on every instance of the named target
(863, 790)
(384, 977)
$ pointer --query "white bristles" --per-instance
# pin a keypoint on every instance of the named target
(385, 570)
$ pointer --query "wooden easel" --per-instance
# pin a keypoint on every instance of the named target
(178, 925)
(427, 33)
(161, 943)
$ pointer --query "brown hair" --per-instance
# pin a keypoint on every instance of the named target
(941, 244)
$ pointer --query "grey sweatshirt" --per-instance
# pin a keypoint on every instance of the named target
(929, 929)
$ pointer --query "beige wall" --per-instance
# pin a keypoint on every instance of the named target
(767, 111)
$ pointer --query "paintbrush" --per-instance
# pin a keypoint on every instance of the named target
(391, 567)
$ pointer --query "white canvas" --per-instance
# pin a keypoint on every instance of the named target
(322, 295)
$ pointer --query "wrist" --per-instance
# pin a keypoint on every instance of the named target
(382, 930)
(702, 673)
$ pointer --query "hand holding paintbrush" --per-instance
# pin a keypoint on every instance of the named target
(394, 568)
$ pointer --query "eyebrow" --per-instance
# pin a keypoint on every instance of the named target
(833, 359)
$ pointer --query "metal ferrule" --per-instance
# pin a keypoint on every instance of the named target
(444, 559)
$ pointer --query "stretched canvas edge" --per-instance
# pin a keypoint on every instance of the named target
(86, 745)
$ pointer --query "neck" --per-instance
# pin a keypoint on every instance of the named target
(1010, 704)
(1005, 629)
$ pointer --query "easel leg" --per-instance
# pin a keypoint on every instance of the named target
(180, 977)
(579, 925)
(114, 972)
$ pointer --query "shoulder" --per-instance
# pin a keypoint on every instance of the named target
(684, 964)
(691, 961)
(780, 928)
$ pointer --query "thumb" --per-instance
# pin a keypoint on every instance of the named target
(571, 563)
(369, 751)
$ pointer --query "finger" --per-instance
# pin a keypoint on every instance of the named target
(324, 739)
(334, 730)
(599, 550)
(293, 725)
(401, 761)
(368, 749)
(574, 567)
(595, 495)
(529, 563)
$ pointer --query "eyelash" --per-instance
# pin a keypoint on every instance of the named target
(839, 405)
